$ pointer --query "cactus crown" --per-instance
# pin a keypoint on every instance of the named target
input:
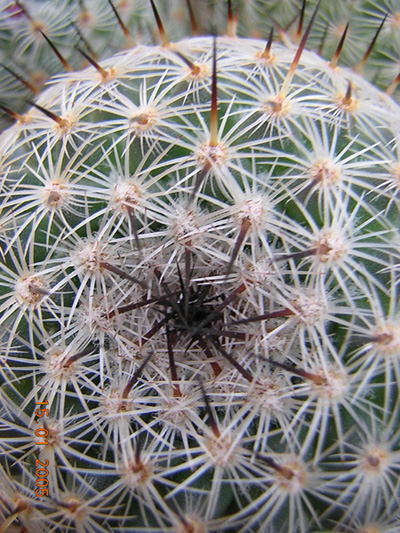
(199, 308)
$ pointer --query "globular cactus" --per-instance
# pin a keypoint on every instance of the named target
(31, 29)
(199, 296)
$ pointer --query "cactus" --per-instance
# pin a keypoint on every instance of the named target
(30, 28)
(199, 295)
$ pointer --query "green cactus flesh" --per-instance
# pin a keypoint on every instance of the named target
(199, 309)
